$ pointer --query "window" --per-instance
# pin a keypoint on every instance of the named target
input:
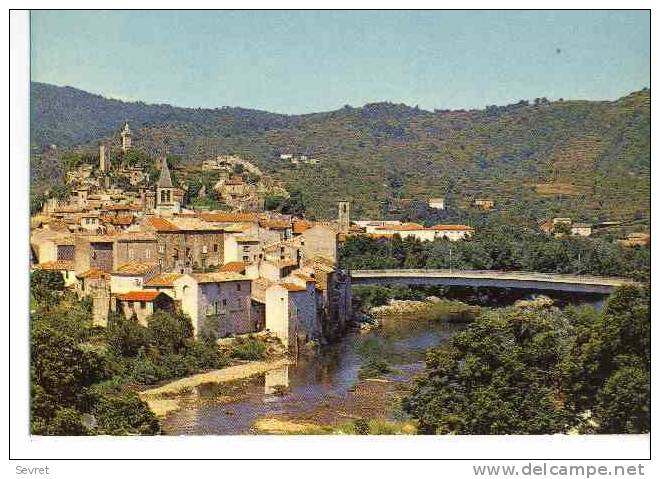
(246, 248)
(143, 304)
(137, 282)
(204, 249)
(161, 248)
(147, 254)
(130, 254)
(238, 286)
(187, 251)
(224, 302)
(215, 248)
(246, 259)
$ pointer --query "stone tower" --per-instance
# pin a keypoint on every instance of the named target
(165, 201)
(344, 216)
(126, 138)
(104, 162)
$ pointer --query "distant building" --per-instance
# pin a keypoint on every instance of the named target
(126, 138)
(437, 203)
(344, 216)
(484, 204)
(581, 229)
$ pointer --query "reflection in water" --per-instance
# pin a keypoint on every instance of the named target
(317, 387)
(300, 389)
(277, 381)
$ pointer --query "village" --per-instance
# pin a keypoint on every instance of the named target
(231, 272)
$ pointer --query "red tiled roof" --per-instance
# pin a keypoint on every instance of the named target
(402, 227)
(452, 228)
(233, 267)
(161, 224)
(228, 217)
(275, 224)
(293, 288)
(93, 274)
(59, 265)
(301, 226)
(163, 279)
(139, 296)
(306, 277)
(134, 268)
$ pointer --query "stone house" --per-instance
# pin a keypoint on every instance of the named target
(291, 314)
(320, 241)
(218, 304)
(66, 268)
(94, 251)
(135, 246)
(143, 304)
(132, 276)
(437, 203)
(452, 232)
(164, 282)
(185, 243)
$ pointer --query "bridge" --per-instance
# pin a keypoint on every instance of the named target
(493, 279)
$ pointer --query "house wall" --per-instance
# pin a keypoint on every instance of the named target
(308, 325)
(320, 241)
(201, 248)
(125, 284)
(140, 251)
(142, 311)
(277, 314)
(223, 309)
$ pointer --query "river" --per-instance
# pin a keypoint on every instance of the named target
(322, 389)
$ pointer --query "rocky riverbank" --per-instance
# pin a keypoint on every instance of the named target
(432, 308)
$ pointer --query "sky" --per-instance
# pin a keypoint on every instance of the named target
(309, 61)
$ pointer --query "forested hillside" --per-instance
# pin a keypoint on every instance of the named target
(584, 159)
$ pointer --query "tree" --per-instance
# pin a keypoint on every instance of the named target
(170, 332)
(497, 377)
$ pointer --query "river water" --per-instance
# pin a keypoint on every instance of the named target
(322, 389)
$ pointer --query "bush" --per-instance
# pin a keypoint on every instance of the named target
(249, 348)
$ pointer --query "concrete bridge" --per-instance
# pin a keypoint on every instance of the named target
(493, 279)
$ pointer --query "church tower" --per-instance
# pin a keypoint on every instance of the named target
(166, 204)
(344, 216)
(104, 162)
(126, 138)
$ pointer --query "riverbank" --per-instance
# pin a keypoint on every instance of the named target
(431, 308)
(163, 399)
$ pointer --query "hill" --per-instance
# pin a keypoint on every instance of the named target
(586, 159)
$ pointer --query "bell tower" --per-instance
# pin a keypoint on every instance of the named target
(165, 201)
(126, 138)
(344, 215)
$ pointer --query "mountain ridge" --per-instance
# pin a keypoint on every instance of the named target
(589, 159)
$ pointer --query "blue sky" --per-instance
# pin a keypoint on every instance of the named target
(305, 61)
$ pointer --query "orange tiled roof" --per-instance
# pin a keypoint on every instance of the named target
(94, 273)
(402, 227)
(452, 228)
(161, 224)
(233, 267)
(228, 217)
(59, 265)
(275, 224)
(139, 296)
(293, 288)
(218, 277)
(301, 226)
(134, 268)
(306, 277)
(163, 279)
